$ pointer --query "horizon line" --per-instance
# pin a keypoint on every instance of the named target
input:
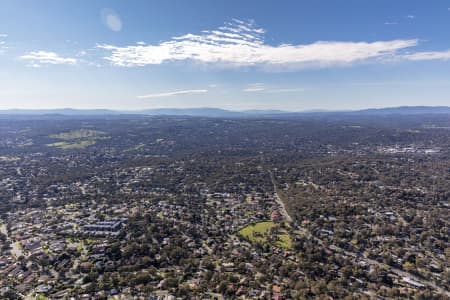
(224, 109)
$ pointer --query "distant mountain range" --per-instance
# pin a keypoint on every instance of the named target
(222, 113)
(406, 110)
(61, 111)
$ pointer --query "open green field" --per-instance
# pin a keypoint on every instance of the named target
(285, 241)
(260, 233)
(253, 231)
(27, 144)
(77, 139)
(9, 158)
(74, 145)
(78, 134)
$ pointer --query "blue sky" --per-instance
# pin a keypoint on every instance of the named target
(292, 55)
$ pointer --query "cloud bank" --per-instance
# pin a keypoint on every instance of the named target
(241, 43)
(170, 94)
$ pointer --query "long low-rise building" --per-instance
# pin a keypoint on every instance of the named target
(111, 226)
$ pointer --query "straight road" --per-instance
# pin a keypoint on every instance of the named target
(280, 202)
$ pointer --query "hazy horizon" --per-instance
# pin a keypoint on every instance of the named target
(133, 111)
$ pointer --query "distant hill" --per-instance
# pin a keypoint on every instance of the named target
(194, 112)
(406, 110)
(265, 112)
(222, 113)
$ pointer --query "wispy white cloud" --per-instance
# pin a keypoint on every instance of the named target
(285, 90)
(255, 87)
(240, 43)
(390, 23)
(37, 58)
(431, 55)
(411, 17)
(261, 88)
(3, 46)
(170, 94)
